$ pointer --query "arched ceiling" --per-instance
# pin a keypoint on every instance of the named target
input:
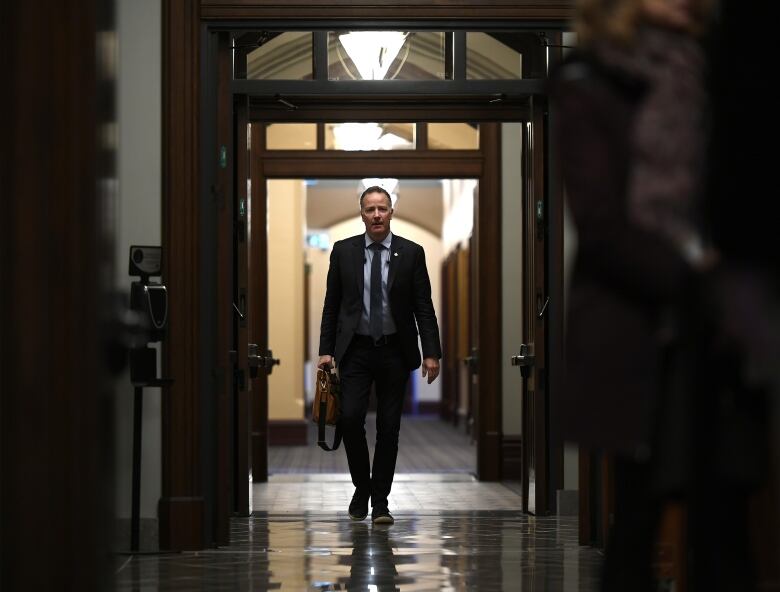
(334, 200)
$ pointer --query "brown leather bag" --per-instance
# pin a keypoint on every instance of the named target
(326, 407)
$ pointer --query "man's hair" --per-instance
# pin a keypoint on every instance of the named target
(376, 189)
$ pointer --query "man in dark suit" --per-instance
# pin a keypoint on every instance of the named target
(378, 296)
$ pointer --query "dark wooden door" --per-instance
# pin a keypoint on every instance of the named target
(224, 496)
(244, 310)
(470, 268)
(486, 304)
(257, 268)
(233, 405)
(531, 358)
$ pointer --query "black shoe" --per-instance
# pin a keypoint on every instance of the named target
(358, 507)
(381, 515)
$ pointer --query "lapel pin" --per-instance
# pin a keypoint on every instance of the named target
(395, 254)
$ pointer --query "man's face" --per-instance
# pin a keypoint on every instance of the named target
(376, 214)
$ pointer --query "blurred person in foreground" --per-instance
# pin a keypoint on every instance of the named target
(745, 294)
(630, 125)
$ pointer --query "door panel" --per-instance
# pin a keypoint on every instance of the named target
(487, 321)
(225, 347)
(528, 348)
(456, 336)
(470, 268)
(448, 410)
(243, 309)
(466, 350)
(258, 278)
(531, 359)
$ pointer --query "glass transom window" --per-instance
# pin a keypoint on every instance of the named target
(386, 55)
(504, 56)
(281, 56)
(291, 136)
(370, 136)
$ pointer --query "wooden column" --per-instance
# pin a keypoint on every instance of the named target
(182, 503)
(56, 257)
(488, 227)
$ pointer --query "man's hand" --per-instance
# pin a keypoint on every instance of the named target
(325, 362)
(430, 367)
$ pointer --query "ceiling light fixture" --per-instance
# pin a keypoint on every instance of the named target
(373, 52)
(356, 136)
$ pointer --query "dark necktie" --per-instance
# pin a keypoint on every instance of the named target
(375, 314)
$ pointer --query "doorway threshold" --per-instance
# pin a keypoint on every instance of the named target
(399, 477)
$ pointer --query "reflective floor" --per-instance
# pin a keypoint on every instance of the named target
(428, 548)
(411, 492)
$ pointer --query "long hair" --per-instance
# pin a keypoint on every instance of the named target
(618, 21)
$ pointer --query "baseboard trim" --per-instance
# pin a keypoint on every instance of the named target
(288, 432)
(148, 535)
(181, 523)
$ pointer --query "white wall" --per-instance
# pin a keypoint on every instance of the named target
(571, 451)
(458, 222)
(512, 274)
(319, 261)
(138, 222)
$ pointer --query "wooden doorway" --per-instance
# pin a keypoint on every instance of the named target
(191, 156)
(423, 163)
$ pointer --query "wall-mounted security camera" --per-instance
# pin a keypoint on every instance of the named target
(145, 261)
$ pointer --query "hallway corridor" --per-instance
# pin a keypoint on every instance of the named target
(451, 533)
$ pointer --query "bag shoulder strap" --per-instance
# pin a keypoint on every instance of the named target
(321, 442)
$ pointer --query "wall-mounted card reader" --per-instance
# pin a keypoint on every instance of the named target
(151, 301)
(148, 298)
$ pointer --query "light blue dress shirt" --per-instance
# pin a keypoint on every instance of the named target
(388, 325)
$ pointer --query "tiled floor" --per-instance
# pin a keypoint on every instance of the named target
(411, 492)
(451, 533)
(447, 449)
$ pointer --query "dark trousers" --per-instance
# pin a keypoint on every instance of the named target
(628, 562)
(383, 365)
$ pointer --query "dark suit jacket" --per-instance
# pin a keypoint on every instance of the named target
(409, 290)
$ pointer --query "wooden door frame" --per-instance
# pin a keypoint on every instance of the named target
(483, 165)
(187, 202)
(535, 436)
